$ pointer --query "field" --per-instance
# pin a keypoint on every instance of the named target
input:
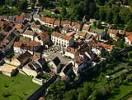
(16, 88)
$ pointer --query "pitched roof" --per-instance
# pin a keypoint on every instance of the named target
(7, 68)
(48, 20)
(86, 27)
(57, 61)
(23, 58)
(71, 50)
(44, 36)
(105, 46)
(129, 36)
(21, 17)
(28, 44)
(18, 26)
(61, 35)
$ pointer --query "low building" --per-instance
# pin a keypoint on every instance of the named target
(70, 52)
(38, 81)
(54, 64)
(19, 19)
(114, 33)
(81, 35)
(128, 38)
(25, 58)
(28, 71)
(67, 72)
(35, 67)
(37, 36)
(105, 46)
(26, 45)
(8, 70)
(61, 39)
(13, 61)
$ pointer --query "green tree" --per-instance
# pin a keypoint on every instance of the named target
(102, 94)
(102, 13)
(23, 5)
(101, 2)
(109, 16)
(56, 91)
(117, 19)
(85, 91)
(71, 95)
(129, 26)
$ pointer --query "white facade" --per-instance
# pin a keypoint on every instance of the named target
(96, 51)
(60, 41)
(31, 37)
(44, 23)
(69, 54)
(38, 81)
(19, 51)
(7, 73)
(53, 66)
(29, 71)
(128, 42)
(113, 36)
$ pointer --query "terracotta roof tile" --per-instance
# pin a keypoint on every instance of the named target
(105, 46)
(129, 36)
(61, 35)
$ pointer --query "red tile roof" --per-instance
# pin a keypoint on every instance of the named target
(21, 17)
(48, 20)
(129, 36)
(71, 50)
(28, 44)
(61, 35)
(112, 31)
(105, 46)
(44, 36)
(18, 26)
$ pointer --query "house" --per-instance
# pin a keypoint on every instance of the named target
(10, 66)
(86, 28)
(61, 39)
(76, 26)
(70, 52)
(28, 71)
(8, 70)
(25, 58)
(41, 37)
(35, 67)
(12, 61)
(18, 26)
(38, 81)
(19, 19)
(128, 38)
(81, 35)
(54, 64)
(67, 72)
(26, 45)
(114, 34)
(47, 21)
(105, 46)
(66, 29)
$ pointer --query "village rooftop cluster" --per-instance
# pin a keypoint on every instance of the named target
(42, 47)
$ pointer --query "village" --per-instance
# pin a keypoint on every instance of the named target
(42, 47)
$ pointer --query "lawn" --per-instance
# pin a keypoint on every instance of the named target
(16, 88)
